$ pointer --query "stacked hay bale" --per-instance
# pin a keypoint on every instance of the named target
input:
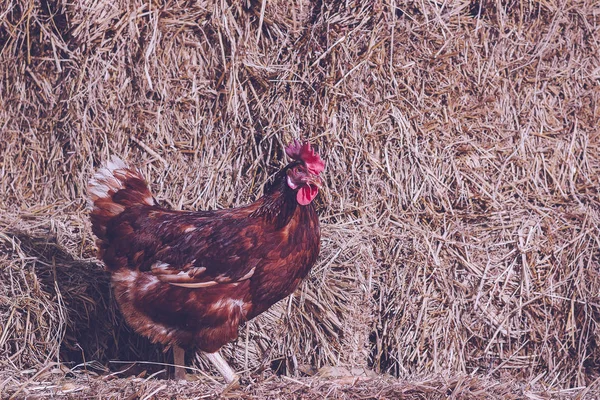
(460, 223)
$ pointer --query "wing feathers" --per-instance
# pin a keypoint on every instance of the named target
(191, 277)
(182, 249)
(194, 285)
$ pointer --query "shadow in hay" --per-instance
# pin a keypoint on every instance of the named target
(95, 328)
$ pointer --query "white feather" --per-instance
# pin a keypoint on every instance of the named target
(104, 180)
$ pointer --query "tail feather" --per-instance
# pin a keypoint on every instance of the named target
(112, 189)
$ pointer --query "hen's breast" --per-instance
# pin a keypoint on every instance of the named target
(288, 258)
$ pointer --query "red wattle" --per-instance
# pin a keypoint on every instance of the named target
(306, 194)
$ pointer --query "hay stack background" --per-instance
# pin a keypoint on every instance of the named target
(460, 220)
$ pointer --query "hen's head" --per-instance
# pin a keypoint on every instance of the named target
(302, 175)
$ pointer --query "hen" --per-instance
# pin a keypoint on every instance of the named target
(189, 279)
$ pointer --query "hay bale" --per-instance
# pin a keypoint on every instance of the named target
(31, 322)
(460, 227)
(346, 388)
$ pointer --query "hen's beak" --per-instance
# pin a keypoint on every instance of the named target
(314, 180)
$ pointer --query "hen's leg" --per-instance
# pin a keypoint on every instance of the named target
(179, 361)
(221, 365)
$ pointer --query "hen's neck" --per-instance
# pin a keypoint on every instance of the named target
(278, 203)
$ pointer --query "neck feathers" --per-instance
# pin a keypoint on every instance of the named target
(278, 203)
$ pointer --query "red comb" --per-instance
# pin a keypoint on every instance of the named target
(305, 153)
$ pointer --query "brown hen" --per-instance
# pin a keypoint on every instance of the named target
(189, 279)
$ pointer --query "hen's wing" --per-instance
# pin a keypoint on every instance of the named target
(193, 250)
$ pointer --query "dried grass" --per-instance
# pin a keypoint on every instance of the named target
(460, 223)
(53, 383)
